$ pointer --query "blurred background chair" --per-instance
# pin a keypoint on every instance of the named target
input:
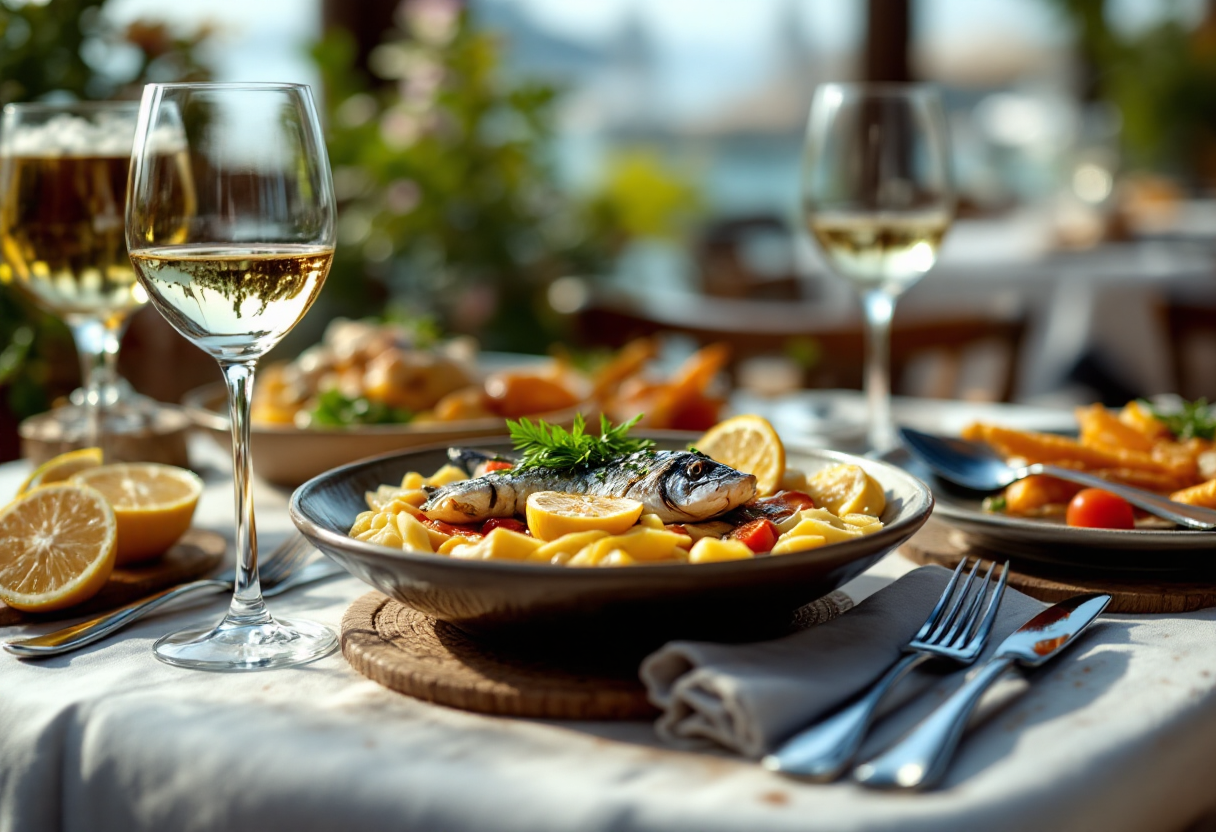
(957, 354)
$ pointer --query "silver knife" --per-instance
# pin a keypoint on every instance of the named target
(920, 759)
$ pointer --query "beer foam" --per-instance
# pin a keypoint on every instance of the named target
(107, 134)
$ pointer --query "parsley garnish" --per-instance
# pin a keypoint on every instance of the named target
(334, 410)
(1193, 420)
(552, 446)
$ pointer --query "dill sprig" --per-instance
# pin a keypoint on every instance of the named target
(552, 446)
(1192, 420)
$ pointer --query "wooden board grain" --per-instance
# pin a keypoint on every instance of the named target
(198, 553)
(938, 543)
(412, 653)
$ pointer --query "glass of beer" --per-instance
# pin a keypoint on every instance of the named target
(233, 275)
(878, 200)
(63, 186)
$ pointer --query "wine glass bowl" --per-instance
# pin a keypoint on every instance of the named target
(877, 198)
(230, 227)
(63, 184)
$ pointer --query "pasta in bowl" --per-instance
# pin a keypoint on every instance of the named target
(540, 602)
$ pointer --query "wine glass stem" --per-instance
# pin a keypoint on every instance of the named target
(879, 307)
(247, 605)
(97, 344)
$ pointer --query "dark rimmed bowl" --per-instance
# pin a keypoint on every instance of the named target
(631, 608)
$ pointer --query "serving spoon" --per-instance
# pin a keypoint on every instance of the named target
(976, 466)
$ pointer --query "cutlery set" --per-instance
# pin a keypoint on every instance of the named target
(957, 630)
(289, 566)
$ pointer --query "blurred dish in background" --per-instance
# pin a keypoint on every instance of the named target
(371, 388)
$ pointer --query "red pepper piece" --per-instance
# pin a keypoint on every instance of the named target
(498, 465)
(758, 535)
(508, 523)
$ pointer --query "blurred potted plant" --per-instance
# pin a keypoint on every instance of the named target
(447, 198)
(1162, 79)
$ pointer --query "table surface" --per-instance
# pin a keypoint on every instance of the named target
(1120, 734)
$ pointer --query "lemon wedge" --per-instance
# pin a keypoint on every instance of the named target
(61, 468)
(57, 546)
(846, 489)
(153, 504)
(749, 444)
(552, 514)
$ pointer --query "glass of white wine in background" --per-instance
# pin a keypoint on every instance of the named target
(63, 186)
(233, 276)
(878, 200)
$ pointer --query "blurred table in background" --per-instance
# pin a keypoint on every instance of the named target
(1007, 314)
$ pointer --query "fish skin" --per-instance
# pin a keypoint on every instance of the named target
(678, 486)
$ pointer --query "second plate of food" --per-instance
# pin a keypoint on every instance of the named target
(1048, 540)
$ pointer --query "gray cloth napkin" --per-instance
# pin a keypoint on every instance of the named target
(751, 697)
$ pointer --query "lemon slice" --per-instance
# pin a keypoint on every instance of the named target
(153, 504)
(552, 514)
(846, 489)
(749, 444)
(57, 547)
(61, 468)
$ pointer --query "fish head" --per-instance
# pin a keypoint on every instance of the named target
(697, 488)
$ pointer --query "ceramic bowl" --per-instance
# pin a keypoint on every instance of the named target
(634, 607)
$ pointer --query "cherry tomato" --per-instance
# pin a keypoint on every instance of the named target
(1094, 508)
(498, 465)
(758, 535)
(450, 528)
(508, 523)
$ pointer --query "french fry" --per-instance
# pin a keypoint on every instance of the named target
(1138, 416)
(1101, 428)
(1048, 447)
(1203, 494)
(628, 362)
(689, 381)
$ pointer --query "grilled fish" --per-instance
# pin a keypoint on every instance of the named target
(678, 486)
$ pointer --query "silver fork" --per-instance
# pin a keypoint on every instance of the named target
(823, 751)
(275, 573)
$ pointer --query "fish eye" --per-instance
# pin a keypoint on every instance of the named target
(696, 469)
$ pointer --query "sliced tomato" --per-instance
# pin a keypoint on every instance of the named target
(451, 528)
(758, 535)
(498, 465)
(508, 523)
(1094, 508)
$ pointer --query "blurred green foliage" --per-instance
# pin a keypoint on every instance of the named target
(448, 201)
(1162, 79)
(68, 50)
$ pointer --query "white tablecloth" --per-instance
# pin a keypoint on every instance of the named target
(1120, 734)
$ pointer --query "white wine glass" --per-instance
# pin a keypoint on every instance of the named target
(234, 275)
(877, 197)
(63, 185)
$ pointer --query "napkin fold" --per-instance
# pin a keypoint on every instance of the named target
(751, 697)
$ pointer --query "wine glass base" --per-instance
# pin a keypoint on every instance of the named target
(231, 646)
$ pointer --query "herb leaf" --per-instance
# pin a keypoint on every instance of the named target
(553, 447)
(1193, 420)
(334, 410)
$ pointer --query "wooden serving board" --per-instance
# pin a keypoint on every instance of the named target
(198, 553)
(408, 651)
(938, 543)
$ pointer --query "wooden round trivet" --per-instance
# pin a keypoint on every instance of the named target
(412, 653)
(943, 545)
(198, 553)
